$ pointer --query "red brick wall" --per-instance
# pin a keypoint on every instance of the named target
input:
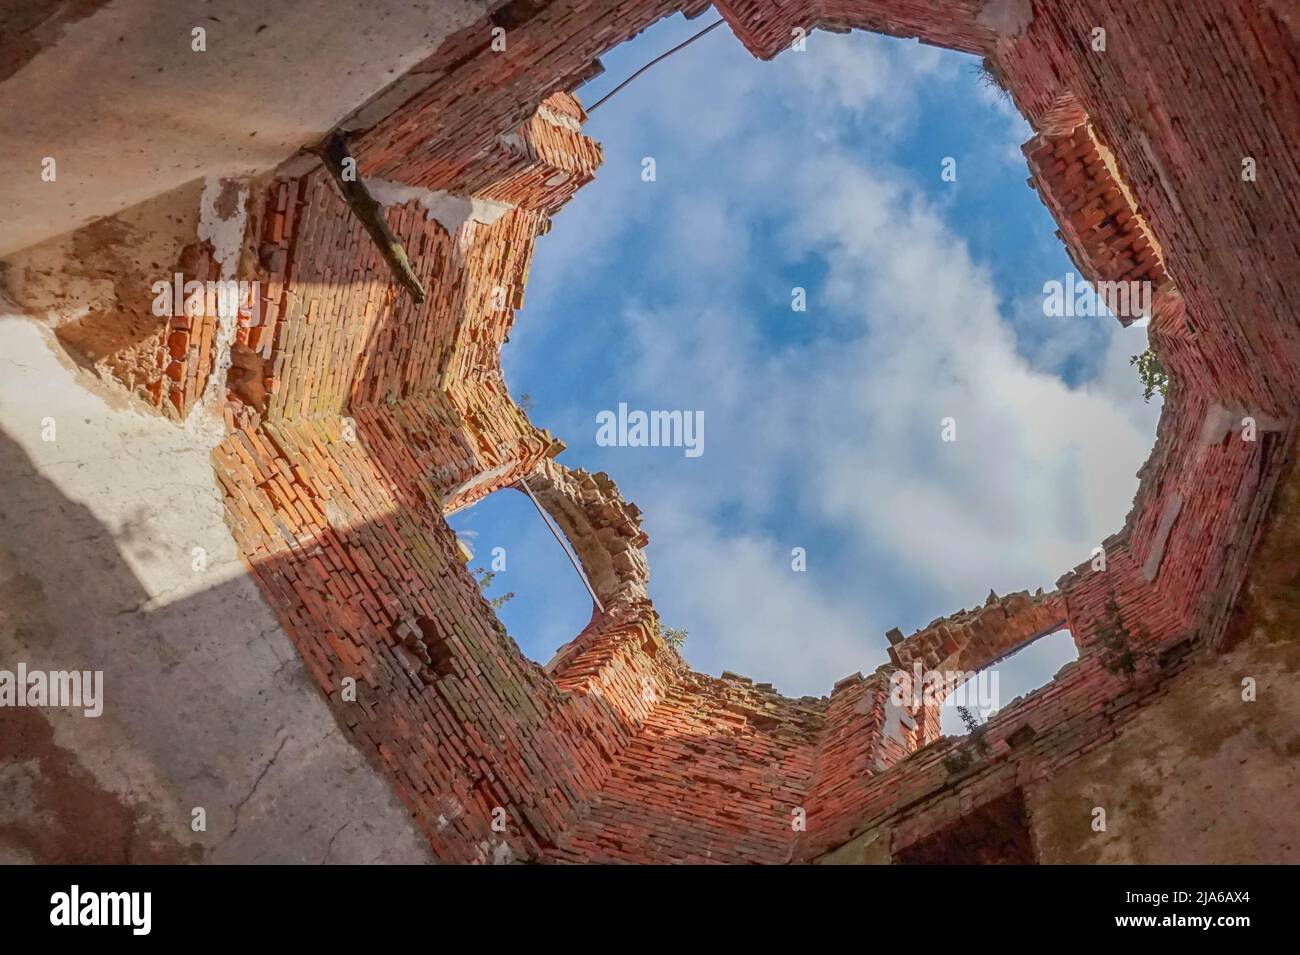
(435, 139)
(715, 774)
(1180, 122)
(344, 560)
(618, 752)
(766, 26)
(1104, 232)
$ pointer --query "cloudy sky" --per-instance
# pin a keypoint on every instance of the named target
(822, 429)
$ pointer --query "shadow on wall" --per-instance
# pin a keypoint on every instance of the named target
(347, 541)
(201, 709)
(53, 808)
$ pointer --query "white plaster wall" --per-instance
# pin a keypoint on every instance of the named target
(206, 701)
(129, 110)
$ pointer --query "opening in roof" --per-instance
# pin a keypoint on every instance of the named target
(826, 366)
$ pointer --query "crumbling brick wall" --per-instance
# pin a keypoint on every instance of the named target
(1101, 226)
(358, 420)
(768, 27)
(618, 751)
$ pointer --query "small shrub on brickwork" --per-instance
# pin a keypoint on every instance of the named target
(975, 748)
(976, 729)
(675, 637)
(990, 76)
(1152, 373)
(484, 582)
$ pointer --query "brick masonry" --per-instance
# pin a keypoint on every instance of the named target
(358, 420)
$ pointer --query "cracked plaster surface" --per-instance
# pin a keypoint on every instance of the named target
(206, 702)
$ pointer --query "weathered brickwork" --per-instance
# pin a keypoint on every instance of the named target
(186, 346)
(146, 297)
(717, 773)
(964, 642)
(1180, 122)
(357, 420)
(1029, 738)
(541, 165)
(1101, 226)
(768, 27)
(347, 567)
(972, 639)
(603, 529)
(437, 138)
(160, 347)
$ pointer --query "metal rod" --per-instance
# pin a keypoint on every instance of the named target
(713, 26)
(559, 540)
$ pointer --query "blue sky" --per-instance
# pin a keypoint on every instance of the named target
(822, 170)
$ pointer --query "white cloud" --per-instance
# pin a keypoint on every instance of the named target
(746, 610)
(1040, 473)
(859, 74)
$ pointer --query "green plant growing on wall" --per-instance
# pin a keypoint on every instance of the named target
(976, 729)
(1152, 374)
(675, 637)
(975, 747)
(988, 74)
(484, 582)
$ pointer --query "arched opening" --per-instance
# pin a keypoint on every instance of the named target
(1016, 675)
(522, 572)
